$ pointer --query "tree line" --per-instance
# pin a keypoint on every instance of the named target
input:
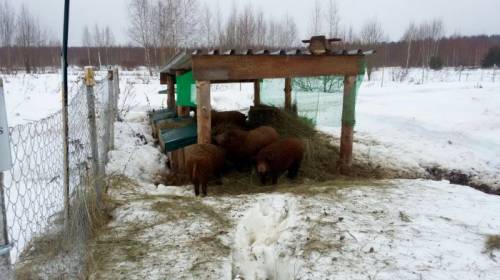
(157, 29)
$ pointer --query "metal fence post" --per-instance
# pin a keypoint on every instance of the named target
(5, 264)
(96, 168)
(110, 108)
(117, 94)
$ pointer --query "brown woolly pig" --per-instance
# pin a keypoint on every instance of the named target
(228, 118)
(203, 161)
(242, 145)
(282, 155)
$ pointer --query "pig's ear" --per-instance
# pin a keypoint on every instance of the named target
(270, 156)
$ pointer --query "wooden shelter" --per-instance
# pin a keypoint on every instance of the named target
(248, 66)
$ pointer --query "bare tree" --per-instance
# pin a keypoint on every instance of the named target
(260, 29)
(219, 25)
(332, 19)
(246, 27)
(98, 43)
(231, 30)
(316, 24)
(186, 26)
(371, 36)
(371, 33)
(27, 36)
(87, 42)
(206, 27)
(288, 32)
(350, 36)
(108, 39)
(7, 28)
(7, 24)
(141, 29)
(409, 37)
(274, 29)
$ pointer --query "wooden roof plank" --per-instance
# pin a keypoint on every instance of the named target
(242, 67)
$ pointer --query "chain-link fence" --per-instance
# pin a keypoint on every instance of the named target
(34, 187)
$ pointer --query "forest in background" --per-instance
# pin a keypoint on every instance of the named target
(160, 28)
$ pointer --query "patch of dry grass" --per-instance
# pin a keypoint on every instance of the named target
(45, 251)
(174, 208)
(493, 242)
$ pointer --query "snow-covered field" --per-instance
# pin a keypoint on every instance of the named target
(394, 229)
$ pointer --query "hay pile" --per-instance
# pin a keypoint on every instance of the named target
(319, 164)
(320, 158)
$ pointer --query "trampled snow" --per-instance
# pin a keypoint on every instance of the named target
(393, 229)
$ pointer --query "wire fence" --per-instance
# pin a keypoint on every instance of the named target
(34, 187)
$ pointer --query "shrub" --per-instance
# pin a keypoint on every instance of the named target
(492, 58)
(436, 63)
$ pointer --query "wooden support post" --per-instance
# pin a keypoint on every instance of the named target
(97, 168)
(348, 121)
(178, 155)
(171, 92)
(288, 94)
(256, 93)
(204, 110)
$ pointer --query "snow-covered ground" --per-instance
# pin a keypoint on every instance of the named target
(36, 195)
(418, 229)
(443, 123)
(389, 229)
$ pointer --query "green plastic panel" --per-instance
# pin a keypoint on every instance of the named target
(186, 90)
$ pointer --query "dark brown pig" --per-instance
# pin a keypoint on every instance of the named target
(241, 146)
(278, 157)
(203, 161)
(228, 118)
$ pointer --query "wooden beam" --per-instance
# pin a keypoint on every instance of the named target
(288, 94)
(231, 82)
(164, 78)
(256, 93)
(171, 92)
(204, 109)
(242, 67)
(348, 122)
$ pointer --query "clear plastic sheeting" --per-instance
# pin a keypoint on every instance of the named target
(318, 99)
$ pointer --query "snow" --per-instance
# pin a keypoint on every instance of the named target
(390, 229)
(263, 240)
(443, 123)
(131, 157)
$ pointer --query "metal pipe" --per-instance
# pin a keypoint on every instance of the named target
(64, 61)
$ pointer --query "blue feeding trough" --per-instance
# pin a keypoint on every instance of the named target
(184, 134)
(162, 114)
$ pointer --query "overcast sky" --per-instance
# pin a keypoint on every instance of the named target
(460, 16)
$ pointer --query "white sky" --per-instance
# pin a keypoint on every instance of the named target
(460, 16)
